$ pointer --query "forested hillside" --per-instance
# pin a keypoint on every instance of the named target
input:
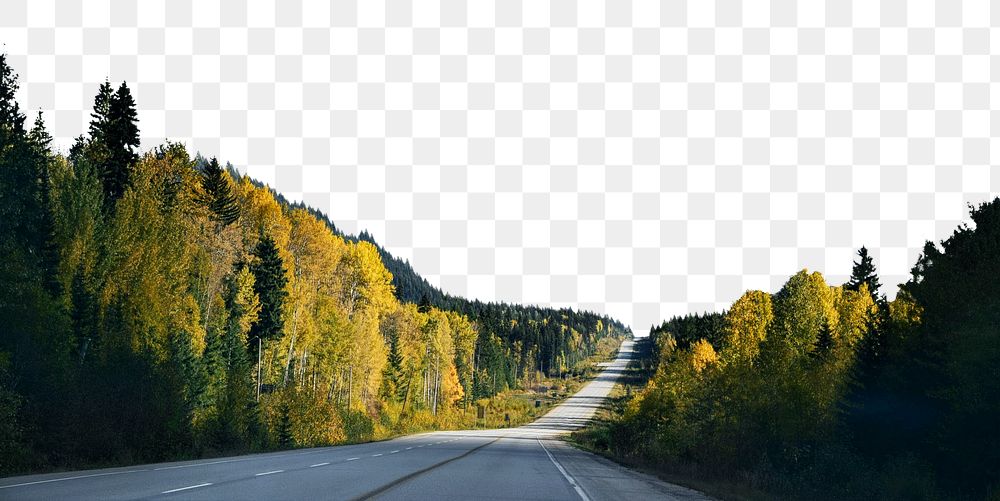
(155, 305)
(833, 392)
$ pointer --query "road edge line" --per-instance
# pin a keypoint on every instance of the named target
(569, 478)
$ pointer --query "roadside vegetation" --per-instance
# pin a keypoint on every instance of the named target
(158, 306)
(825, 391)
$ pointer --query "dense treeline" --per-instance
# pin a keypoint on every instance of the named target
(551, 340)
(157, 305)
(833, 392)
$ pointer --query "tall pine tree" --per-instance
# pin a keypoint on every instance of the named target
(114, 138)
(11, 118)
(39, 137)
(23, 172)
(392, 379)
(864, 272)
(218, 194)
(100, 118)
(269, 284)
(124, 140)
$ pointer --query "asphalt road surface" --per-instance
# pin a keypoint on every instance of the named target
(525, 463)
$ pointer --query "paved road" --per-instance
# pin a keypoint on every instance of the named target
(526, 463)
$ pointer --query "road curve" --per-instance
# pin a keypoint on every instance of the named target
(529, 462)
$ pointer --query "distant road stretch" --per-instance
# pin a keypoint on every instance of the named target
(519, 463)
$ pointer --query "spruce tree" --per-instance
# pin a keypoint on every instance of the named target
(269, 284)
(40, 141)
(39, 138)
(11, 118)
(393, 374)
(425, 304)
(100, 118)
(22, 209)
(124, 140)
(285, 439)
(218, 194)
(77, 150)
(864, 272)
(114, 138)
(824, 341)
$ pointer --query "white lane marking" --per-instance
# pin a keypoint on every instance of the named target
(70, 478)
(268, 473)
(318, 464)
(393, 452)
(353, 459)
(376, 455)
(186, 488)
(576, 486)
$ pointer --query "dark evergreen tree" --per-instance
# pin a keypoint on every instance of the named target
(40, 141)
(425, 304)
(824, 341)
(184, 379)
(270, 281)
(11, 118)
(17, 180)
(218, 195)
(100, 118)
(948, 367)
(124, 140)
(39, 138)
(25, 219)
(392, 380)
(114, 138)
(78, 149)
(864, 272)
(285, 438)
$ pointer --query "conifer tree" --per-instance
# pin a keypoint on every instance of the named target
(100, 118)
(285, 439)
(393, 374)
(425, 304)
(11, 118)
(39, 138)
(269, 284)
(22, 207)
(114, 138)
(218, 194)
(864, 272)
(124, 140)
(824, 341)
(40, 141)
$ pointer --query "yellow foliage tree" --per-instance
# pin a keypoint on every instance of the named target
(746, 324)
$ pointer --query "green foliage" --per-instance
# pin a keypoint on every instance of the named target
(392, 378)
(538, 338)
(823, 392)
(114, 138)
(11, 118)
(864, 272)
(218, 194)
(285, 438)
(269, 284)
